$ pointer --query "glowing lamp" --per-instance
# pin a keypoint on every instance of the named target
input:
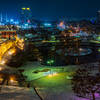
(2, 62)
(28, 8)
(11, 52)
(23, 8)
(1, 68)
(52, 61)
(48, 62)
(11, 80)
(50, 75)
(11, 20)
(55, 74)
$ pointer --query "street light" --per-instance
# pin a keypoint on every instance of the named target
(50, 62)
(11, 51)
(3, 62)
(1, 68)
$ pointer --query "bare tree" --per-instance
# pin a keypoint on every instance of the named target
(85, 84)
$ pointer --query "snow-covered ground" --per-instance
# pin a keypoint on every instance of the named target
(17, 93)
(68, 95)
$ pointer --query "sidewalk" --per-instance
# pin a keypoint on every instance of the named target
(17, 93)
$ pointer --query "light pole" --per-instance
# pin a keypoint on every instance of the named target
(50, 62)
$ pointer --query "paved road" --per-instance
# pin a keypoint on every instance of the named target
(17, 93)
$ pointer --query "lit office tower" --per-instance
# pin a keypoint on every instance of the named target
(98, 17)
(26, 16)
(3, 18)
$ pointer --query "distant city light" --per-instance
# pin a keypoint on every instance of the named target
(11, 20)
(23, 8)
(16, 22)
(47, 24)
(50, 62)
(28, 8)
(2, 62)
(11, 51)
(1, 68)
(53, 74)
(28, 21)
(26, 24)
(12, 79)
(61, 25)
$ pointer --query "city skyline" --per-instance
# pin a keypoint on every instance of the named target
(52, 9)
(50, 50)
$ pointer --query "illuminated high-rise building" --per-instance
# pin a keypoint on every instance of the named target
(26, 16)
(1, 17)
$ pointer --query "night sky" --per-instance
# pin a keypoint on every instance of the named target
(52, 9)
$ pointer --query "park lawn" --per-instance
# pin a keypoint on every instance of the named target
(58, 80)
(95, 41)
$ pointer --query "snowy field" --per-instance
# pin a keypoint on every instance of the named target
(17, 93)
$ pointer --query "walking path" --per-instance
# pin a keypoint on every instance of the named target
(17, 93)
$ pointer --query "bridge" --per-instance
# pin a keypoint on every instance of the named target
(8, 49)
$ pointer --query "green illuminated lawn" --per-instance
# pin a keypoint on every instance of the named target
(56, 83)
(94, 41)
(59, 80)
